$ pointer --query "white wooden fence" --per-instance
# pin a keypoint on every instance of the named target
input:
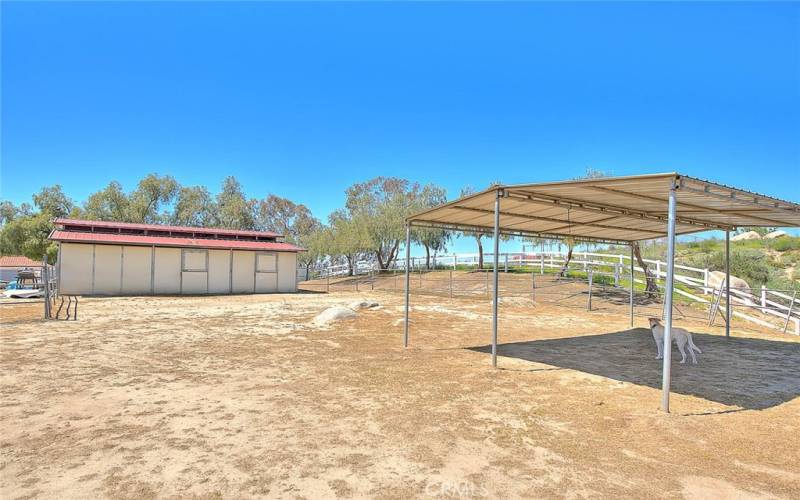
(692, 283)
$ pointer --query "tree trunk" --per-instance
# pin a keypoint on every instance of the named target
(350, 262)
(379, 255)
(427, 257)
(393, 254)
(565, 267)
(480, 251)
(650, 281)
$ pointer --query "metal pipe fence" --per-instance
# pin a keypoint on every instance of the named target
(775, 309)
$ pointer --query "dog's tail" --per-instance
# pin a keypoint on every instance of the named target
(692, 346)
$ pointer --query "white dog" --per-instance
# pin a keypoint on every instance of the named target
(679, 336)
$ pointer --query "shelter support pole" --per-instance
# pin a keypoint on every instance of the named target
(631, 294)
(408, 261)
(496, 276)
(668, 285)
(727, 284)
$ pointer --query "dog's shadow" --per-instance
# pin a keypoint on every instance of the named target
(745, 372)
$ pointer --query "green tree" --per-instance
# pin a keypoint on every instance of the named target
(52, 200)
(152, 192)
(234, 210)
(347, 238)
(431, 239)
(316, 245)
(194, 206)
(467, 191)
(380, 206)
(27, 236)
(9, 211)
(110, 203)
(290, 219)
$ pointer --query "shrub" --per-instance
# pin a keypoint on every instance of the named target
(784, 244)
(751, 265)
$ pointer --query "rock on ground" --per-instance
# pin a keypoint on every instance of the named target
(364, 304)
(775, 234)
(332, 314)
(715, 278)
(749, 235)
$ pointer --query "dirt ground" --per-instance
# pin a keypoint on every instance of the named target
(244, 396)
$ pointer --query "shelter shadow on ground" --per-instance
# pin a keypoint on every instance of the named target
(749, 373)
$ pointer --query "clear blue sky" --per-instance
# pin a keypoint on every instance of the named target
(304, 99)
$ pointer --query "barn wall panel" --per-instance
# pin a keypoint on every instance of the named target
(76, 269)
(287, 272)
(194, 282)
(136, 263)
(266, 282)
(107, 269)
(219, 268)
(244, 268)
(167, 275)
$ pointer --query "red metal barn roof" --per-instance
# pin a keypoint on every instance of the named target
(170, 241)
(18, 261)
(89, 225)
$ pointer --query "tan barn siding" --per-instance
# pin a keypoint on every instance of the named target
(75, 268)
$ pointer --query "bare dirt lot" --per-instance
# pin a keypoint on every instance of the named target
(245, 397)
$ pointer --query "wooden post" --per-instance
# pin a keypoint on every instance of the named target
(506, 263)
(451, 284)
(533, 286)
(589, 305)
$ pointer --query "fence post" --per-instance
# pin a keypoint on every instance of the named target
(451, 284)
(506, 263)
(372, 280)
(455, 261)
(705, 282)
(533, 287)
(589, 305)
(46, 278)
(328, 283)
(616, 274)
(541, 270)
(585, 263)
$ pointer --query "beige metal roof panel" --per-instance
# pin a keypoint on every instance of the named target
(613, 208)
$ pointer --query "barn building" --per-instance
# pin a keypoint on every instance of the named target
(116, 258)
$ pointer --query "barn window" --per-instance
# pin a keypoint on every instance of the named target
(195, 260)
(266, 263)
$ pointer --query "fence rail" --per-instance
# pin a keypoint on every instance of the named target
(695, 284)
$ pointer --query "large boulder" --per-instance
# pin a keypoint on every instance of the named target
(333, 314)
(749, 235)
(775, 234)
(715, 278)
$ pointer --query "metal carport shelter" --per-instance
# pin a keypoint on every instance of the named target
(618, 210)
